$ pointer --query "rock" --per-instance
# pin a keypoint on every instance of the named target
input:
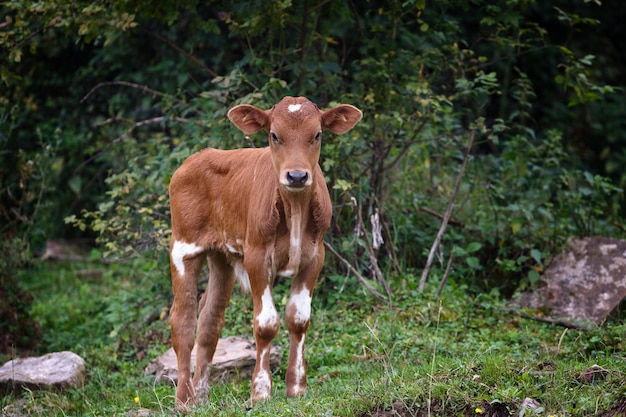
(531, 404)
(583, 285)
(141, 412)
(66, 250)
(58, 370)
(234, 357)
(593, 374)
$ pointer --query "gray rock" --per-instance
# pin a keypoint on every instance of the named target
(583, 284)
(57, 370)
(234, 357)
(593, 374)
(531, 404)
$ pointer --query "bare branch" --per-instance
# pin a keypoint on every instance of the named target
(318, 6)
(619, 226)
(550, 320)
(432, 212)
(135, 125)
(154, 120)
(356, 273)
(447, 214)
(370, 251)
(144, 89)
(445, 274)
(182, 51)
(390, 248)
(407, 145)
(252, 145)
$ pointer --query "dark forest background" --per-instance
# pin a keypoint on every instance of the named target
(100, 101)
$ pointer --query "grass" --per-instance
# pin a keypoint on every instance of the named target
(460, 355)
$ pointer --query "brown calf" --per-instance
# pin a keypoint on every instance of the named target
(253, 214)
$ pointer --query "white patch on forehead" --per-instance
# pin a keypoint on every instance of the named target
(302, 303)
(294, 108)
(268, 316)
(179, 251)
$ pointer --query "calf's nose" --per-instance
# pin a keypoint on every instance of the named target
(297, 178)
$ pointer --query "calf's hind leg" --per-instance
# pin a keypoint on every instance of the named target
(211, 318)
(185, 267)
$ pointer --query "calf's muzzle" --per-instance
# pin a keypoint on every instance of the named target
(297, 179)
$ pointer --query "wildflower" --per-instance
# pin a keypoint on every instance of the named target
(137, 400)
(479, 410)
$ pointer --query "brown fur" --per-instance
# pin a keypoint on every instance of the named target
(240, 206)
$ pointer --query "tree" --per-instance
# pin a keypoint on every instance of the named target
(103, 100)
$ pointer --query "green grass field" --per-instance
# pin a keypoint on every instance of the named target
(460, 355)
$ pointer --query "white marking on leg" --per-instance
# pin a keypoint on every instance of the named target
(268, 317)
(242, 276)
(300, 370)
(295, 242)
(179, 251)
(233, 250)
(202, 388)
(302, 303)
(263, 382)
(294, 108)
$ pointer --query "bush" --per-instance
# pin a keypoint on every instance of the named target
(427, 76)
(20, 333)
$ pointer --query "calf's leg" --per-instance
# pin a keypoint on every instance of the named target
(185, 267)
(297, 317)
(211, 318)
(266, 324)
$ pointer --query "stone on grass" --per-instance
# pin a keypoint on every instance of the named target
(59, 370)
(593, 374)
(583, 285)
(234, 357)
(531, 404)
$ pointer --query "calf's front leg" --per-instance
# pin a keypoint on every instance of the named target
(266, 324)
(298, 317)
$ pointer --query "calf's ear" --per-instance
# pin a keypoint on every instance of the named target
(249, 119)
(341, 118)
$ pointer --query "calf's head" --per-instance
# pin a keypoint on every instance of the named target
(295, 126)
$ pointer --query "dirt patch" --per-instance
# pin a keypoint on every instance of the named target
(619, 410)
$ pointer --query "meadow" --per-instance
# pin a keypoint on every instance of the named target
(462, 354)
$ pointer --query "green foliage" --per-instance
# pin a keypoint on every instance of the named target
(20, 333)
(458, 353)
(421, 96)
(533, 201)
(113, 307)
(103, 100)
